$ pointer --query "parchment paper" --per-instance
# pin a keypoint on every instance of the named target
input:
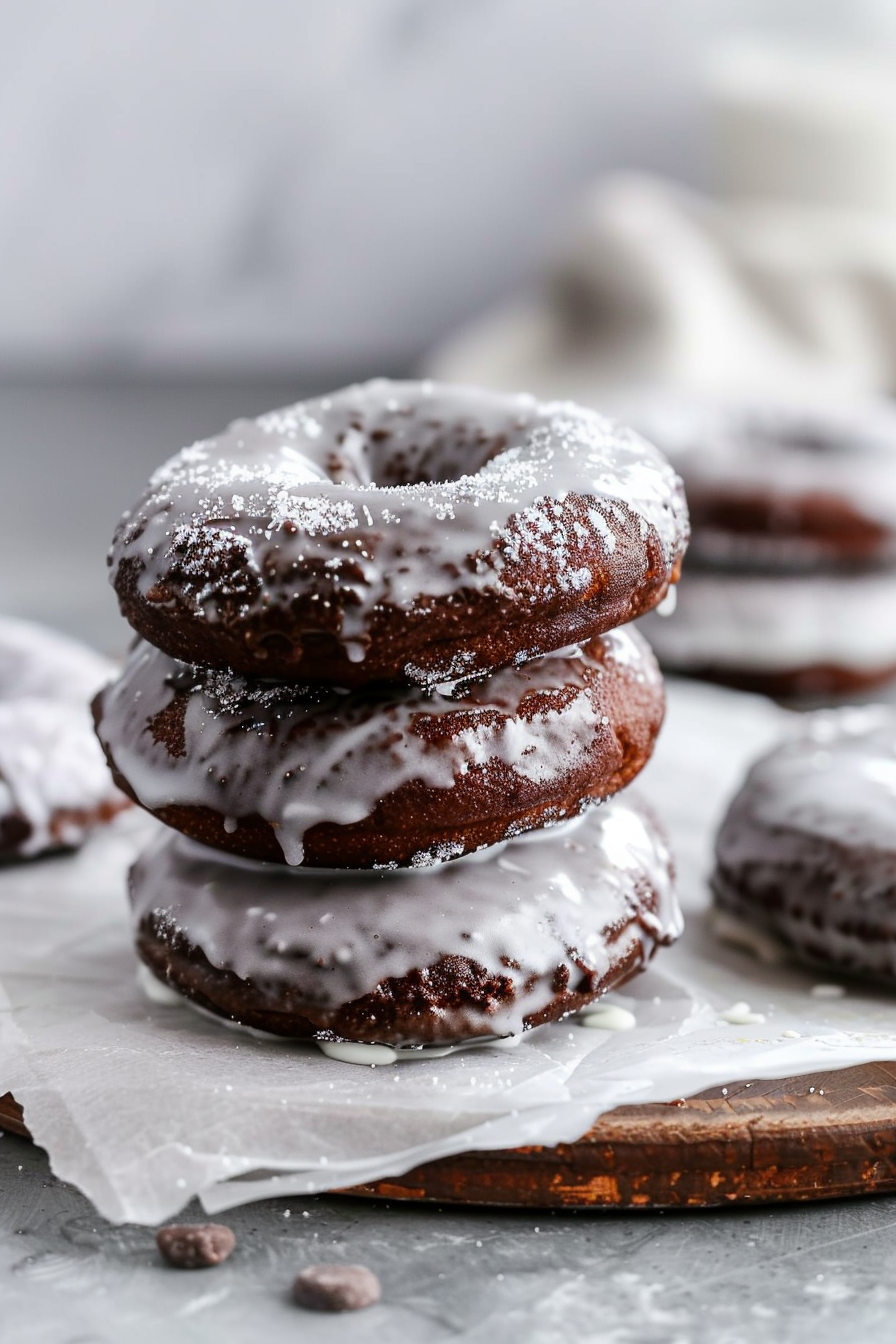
(143, 1106)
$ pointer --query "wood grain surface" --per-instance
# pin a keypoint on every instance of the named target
(820, 1136)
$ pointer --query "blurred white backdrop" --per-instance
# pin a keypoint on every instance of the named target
(324, 184)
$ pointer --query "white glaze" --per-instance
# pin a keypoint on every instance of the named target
(334, 941)
(297, 757)
(344, 1052)
(833, 780)
(740, 1014)
(373, 1056)
(608, 1017)
(283, 490)
(778, 622)
(154, 989)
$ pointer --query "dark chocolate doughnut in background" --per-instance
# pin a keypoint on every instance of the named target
(807, 850)
(782, 485)
(54, 786)
(792, 566)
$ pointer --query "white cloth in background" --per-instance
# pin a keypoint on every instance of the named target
(655, 285)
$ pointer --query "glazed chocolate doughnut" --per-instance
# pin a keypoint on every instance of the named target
(793, 557)
(401, 532)
(782, 486)
(390, 777)
(463, 951)
(781, 634)
(807, 851)
(54, 786)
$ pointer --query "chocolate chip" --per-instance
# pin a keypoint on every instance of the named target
(195, 1245)
(336, 1288)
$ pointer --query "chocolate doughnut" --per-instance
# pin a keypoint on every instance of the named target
(782, 486)
(807, 851)
(463, 951)
(793, 555)
(403, 532)
(388, 777)
(54, 786)
(781, 634)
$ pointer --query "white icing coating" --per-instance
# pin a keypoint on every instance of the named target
(574, 903)
(345, 1052)
(297, 757)
(834, 780)
(358, 1052)
(778, 622)
(155, 990)
(321, 484)
(372, 1056)
(846, 451)
(54, 783)
(740, 1014)
(668, 604)
(608, 1017)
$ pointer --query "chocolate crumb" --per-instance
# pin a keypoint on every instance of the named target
(195, 1245)
(336, 1288)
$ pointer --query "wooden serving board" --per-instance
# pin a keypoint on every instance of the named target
(820, 1136)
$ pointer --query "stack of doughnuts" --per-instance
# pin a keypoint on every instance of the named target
(792, 565)
(378, 683)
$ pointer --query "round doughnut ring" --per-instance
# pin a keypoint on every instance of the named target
(403, 532)
(335, 779)
(807, 851)
(54, 785)
(793, 555)
(781, 486)
(441, 957)
(781, 634)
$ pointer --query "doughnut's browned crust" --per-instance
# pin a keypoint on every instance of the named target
(831, 904)
(484, 806)
(300, 642)
(16, 829)
(430, 1006)
(828, 528)
(798, 683)
(799, 906)
(408, 533)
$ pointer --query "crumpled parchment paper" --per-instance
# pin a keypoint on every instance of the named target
(142, 1106)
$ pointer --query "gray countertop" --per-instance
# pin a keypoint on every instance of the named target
(73, 456)
(789, 1273)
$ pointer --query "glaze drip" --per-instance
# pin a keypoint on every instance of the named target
(298, 757)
